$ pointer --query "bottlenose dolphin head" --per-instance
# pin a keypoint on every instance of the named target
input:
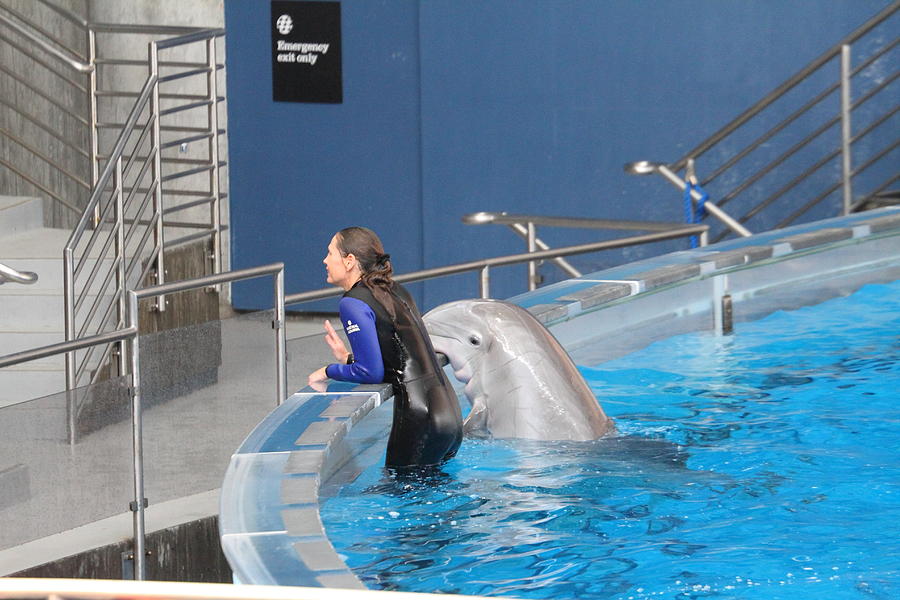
(519, 379)
(458, 330)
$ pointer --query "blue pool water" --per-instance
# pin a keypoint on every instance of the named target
(764, 464)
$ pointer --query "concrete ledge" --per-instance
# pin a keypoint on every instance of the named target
(599, 294)
(180, 533)
(818, 238)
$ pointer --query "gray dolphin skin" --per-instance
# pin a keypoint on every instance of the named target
(519, 379)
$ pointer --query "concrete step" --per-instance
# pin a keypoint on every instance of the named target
(41, 251)
(22, 309)
(20, 213)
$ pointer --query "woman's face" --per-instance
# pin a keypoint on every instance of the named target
(337, 267)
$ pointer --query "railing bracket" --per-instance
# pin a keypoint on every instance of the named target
(134, 507)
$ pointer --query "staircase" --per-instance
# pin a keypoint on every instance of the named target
(117, 130)
(30, 315)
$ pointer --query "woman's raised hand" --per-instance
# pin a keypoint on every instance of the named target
(338, 349)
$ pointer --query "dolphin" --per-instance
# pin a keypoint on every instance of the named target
(518, 377)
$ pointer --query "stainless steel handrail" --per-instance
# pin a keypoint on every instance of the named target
(484, 265)
(7, 273)
(277, 271)
(785, 87)
(138, 176)
(525, 226)
(883, 42)
(64, 55)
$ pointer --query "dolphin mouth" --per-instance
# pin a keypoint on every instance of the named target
(460, 364)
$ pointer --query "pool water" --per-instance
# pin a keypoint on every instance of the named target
(763, 464)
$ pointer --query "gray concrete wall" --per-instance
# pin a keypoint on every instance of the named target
(46, 119)
(185, 552)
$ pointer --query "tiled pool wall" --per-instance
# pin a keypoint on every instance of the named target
(269, 519)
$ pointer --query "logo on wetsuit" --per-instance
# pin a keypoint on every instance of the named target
(351, 327)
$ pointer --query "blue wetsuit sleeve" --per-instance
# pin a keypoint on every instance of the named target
(358, 320)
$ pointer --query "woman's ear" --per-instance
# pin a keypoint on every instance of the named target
(349, 261)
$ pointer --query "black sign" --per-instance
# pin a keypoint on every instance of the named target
(306, 52)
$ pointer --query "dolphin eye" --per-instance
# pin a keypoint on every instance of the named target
(474, 340)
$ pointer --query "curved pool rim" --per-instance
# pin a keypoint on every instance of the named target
(269, 520)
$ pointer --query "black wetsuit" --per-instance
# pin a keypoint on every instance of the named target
(427, 424)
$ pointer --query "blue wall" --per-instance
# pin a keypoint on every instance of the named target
(455, 106)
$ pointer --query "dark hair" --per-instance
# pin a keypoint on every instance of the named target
(374, 264)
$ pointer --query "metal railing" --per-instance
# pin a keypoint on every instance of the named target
(484, 265)
(129, 334)
(7, 273)
(835, 130)
(525, 226)
(119, 243)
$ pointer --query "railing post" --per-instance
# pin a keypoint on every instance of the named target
(92, 103)
(137, 506)
(280, 343)
(846, 130)
(485, 287)
(69, 301)
(158, 237)
(121, 259)
(216, 207)
(532, 265)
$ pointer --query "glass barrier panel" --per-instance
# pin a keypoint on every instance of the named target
(65, 461)
(204, 388)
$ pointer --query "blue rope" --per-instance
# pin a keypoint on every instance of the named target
(689, 215)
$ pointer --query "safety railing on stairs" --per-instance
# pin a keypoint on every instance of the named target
(119, 243)
(7, 273)
(822, 143)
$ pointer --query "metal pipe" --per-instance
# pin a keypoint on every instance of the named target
(532, 265)
(121, 280)
(63, 75)
(15, 276)
(69, 302)
(137, 431)
(512, 259)
(118, 150)
(785, 87)
(560, 262)
(738, 156)
(709, 206)
(189, 38)
(846, 130)
(485, 282)
(216, 208)
(280, 341)
(228, 276)
(159, 232)
(65, 347)
(502, 218)
(92, 107)
(73, 62)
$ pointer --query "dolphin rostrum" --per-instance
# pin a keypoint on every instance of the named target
(518, 377)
